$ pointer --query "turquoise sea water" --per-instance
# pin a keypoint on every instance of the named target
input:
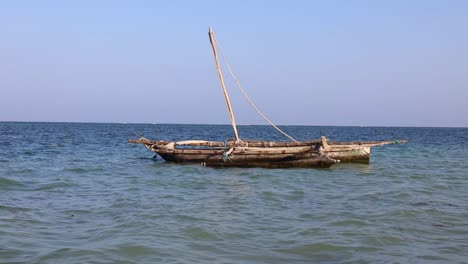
(79, 193)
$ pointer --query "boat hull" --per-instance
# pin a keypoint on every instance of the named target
(357, 154)
(254, 153)
(353, 154)
(313, 162)
(308, 159)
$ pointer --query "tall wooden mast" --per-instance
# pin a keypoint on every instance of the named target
(223, 86)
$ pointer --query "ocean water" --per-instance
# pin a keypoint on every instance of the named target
(79, 193)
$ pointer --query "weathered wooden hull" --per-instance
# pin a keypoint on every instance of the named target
(313, 162)
(252, 153)
(240, 158)
(354, 154)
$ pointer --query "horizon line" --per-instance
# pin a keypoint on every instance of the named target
(206, 124)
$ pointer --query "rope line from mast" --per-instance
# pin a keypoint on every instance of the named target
(247, 97)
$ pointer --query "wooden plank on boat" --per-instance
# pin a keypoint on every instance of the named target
(272, 144)
(368, 143)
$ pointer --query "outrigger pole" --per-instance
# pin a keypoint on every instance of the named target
(221, 79)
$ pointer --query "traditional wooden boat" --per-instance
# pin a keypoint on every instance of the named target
(254, 153)
(241, 154)
(217, 153)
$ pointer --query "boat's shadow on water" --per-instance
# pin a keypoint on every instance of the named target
(162, 164)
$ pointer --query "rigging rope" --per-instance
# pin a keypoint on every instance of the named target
(247, 97)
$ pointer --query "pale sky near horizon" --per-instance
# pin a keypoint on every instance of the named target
(360, 63)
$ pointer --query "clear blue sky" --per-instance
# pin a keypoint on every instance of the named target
(384, 63)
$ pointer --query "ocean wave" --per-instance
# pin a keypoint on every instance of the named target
(6, 182)
(199, 233)
(326, 251)
(54, 185)
(82, 170)
(13, 209)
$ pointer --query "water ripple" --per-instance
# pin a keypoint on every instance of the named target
(79, 193)
(6, 183)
